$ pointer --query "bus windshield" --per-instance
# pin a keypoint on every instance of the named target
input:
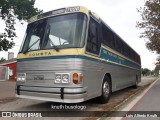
(64, 31)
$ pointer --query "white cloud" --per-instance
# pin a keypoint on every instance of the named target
(120, 15)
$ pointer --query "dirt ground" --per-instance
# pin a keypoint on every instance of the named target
(7, 90)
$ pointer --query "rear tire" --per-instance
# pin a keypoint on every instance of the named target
(136, 83)
(106, 91)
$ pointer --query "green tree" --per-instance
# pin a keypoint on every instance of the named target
(146, 71)
(2, 60)
(152, 72)
(10, 12)
(150, 24)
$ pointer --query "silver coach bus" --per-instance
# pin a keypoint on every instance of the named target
(70, 55)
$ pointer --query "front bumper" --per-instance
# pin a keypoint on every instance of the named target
(54, 94)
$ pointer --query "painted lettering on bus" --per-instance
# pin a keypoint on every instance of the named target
(111, 54)
(40, 54)
(73, 9)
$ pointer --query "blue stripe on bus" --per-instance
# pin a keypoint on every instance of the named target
(108, 55)
(82, 57)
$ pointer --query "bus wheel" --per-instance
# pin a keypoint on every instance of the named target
(106, 91)
(136, 83)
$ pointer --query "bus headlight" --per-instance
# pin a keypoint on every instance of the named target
(58, 78)
(65, 78)
(61, 78)
(21, 77)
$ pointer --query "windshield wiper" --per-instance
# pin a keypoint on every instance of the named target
(54, 46)
(30, 47)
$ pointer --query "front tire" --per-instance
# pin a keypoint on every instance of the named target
(106, 91)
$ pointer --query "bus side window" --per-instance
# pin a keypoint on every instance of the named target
(108, 36)
(92, 41)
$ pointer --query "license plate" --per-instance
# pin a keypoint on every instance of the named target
(38, 77)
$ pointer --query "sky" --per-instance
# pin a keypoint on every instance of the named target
(120, 15)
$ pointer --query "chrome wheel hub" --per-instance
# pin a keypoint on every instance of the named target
(106, 89)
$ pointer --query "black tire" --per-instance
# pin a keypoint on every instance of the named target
(106, 91)
(135, 86)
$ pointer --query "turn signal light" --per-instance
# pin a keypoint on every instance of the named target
(75, 78)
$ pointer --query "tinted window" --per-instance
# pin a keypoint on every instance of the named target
(115, 42)
(108, 36)
(93, 45)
